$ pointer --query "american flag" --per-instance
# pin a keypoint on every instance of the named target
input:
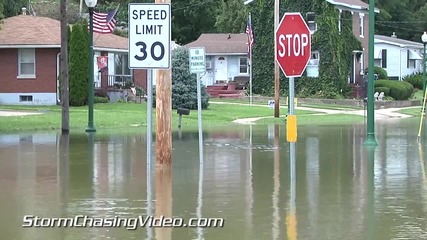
(250, 36)
(104, 22)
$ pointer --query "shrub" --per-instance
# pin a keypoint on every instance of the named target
(97, 99)
(101, 93)
(386, 90)
(416, 79)
(399, 90)
(382, 73)
(79, 65)
(139, 91)
(184, 84)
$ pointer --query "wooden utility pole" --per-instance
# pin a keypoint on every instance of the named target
(163, 114)
(276, 65)
(64, 68)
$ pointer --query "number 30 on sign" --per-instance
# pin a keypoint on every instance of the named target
(149, 36)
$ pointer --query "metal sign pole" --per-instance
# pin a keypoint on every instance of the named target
(199, 113)
(149, 116)
(291, 95)
(149, 147)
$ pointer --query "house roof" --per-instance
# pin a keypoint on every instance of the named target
(397, 41)
(221, 43)
(352, 4)
(42, 32)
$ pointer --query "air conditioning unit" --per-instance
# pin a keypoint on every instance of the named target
(209, 65)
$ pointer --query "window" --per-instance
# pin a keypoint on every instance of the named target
(121, 64)
(27, 63)
(361, 23)
(410, 62)
(122, 71)
(314, 60)
(311, 22)
(313, 65)
(384, 58)
(25, 98)
(243, 65)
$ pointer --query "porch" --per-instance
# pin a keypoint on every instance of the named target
(118, 87)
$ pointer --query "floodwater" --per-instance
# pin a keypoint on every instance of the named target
(326, 186)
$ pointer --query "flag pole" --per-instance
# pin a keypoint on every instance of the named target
(250, 76)
(250, 62)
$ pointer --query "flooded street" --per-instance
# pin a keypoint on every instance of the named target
(327, 186)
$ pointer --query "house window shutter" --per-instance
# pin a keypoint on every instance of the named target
(384, 58)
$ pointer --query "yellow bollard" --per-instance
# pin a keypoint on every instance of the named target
(291, 128)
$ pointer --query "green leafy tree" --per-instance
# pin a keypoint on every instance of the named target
(50, 8)
(191, 18)
(1, 10)
(184, 83)
(13, 7)
(403, 17)
(79, 64)
(232, 17)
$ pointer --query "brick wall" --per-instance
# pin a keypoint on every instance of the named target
(45, 81)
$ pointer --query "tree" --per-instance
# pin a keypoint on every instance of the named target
(191, 18)
(79, 64)
(403, 17)
(50, 8)
(1, 10)
(184, 83)
(13, 7)
(232, 17)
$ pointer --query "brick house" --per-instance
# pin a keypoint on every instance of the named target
(30, 58)
(360, 12)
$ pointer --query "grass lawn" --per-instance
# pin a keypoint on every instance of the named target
(418, 94)
(411, 111)
(283, 104)
(317, 119)
(125, 116)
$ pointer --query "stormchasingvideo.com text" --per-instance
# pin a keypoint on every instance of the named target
(131, 223)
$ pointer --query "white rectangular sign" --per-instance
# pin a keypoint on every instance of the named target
(197, 60)
(149, 35)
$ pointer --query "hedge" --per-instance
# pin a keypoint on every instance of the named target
(385, 90)
(416, 79)
(399, 90)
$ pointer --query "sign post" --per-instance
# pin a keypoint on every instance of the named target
(293, 51)
(197, 66)
(149, 48)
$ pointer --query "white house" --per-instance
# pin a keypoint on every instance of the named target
(397, 56)
(226, 56)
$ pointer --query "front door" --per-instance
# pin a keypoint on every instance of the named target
(221, 68)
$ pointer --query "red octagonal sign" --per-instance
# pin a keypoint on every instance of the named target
(293, 44)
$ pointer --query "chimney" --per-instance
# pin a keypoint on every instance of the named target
(24, 11)
(394, 35)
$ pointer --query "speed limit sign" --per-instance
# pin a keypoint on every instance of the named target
(149, 36)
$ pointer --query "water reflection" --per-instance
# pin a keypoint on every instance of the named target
(276, 180)
(327, 186)
(370, 210)
(291, 219)
(163, 200)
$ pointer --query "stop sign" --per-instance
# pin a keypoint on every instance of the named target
(293, 44)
